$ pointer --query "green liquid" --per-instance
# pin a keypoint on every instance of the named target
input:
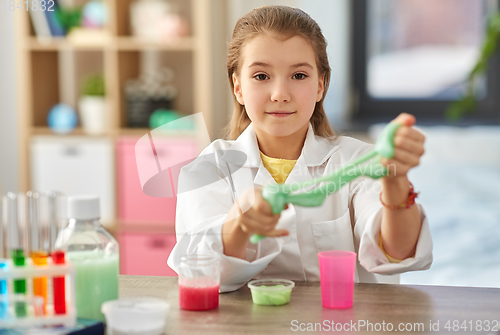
(96, 281)
(21, 309)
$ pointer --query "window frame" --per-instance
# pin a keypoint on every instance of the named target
(367, 110)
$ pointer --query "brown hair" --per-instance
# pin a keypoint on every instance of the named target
(285, 22)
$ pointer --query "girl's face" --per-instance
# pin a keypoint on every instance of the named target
(278, 84)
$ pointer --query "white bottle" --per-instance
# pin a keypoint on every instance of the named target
(94, 254)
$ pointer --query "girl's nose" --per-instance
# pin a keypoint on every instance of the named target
(280, 92)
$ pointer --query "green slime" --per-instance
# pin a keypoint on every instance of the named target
(271, 298)
(278, 195)
(96, 281)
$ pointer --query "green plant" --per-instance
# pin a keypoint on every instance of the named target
(69, 17)
(94, 86)
(468, 103)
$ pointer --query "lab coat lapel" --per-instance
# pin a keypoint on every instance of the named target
(263, 177)
(247, 143)
(315, 152)
(317, 149)
(299, 173)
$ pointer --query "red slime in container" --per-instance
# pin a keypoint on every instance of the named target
(198, 298)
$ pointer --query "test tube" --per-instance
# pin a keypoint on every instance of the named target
(13, 241)
(55, 216)
(59, 285)
(19, 259)
(4, 303)
(17, 253)
(38, 256)
(40, 283)
(32, 209)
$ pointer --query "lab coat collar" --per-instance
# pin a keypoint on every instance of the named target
(316, 150)
(247, 143)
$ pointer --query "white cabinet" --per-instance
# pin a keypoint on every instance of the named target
(75, 166)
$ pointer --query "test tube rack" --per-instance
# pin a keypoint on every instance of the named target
(34, 318)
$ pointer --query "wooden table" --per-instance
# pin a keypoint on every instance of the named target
(376, 308)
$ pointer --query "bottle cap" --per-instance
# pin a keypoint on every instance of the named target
(84, 207)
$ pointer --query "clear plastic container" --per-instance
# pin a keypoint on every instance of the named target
(271, 292)
(199, 280)
(145, 316)
(94, 254)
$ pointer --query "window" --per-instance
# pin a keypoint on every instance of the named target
(414, 56)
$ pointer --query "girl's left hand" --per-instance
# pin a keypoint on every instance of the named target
(408, 145)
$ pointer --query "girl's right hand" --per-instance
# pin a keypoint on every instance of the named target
(259, 218)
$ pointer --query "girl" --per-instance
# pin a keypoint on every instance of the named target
(279, 74)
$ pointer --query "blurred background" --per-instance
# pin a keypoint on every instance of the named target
(82, 81)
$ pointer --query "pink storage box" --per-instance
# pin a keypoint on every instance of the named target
(133, 205)
(145, 254)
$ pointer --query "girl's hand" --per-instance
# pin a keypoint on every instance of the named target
(409, 147)
(259, 218)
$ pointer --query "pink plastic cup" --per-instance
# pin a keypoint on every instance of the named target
(337, 270)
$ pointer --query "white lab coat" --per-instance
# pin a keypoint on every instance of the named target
(347, 220)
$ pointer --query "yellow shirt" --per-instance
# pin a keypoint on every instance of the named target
(277, 167)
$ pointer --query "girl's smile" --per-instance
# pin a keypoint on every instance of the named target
(280, 113)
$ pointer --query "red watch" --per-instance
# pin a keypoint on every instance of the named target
(409, 202)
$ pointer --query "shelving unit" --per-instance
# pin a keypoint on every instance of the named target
(50, 72)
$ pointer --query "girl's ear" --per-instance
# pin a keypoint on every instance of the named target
(321, 88)
(237, 90)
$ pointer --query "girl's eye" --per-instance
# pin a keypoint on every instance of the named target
(300, 76)
(261, 76)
